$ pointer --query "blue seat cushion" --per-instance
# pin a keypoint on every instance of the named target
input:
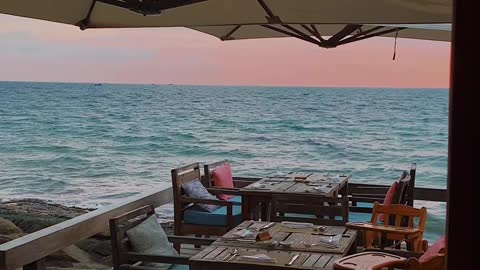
(179, 267)
(197, 216)
(236, 200)
(296, 215)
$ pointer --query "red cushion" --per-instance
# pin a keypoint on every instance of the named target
(222, 178)
(389, 197)
(434, 250)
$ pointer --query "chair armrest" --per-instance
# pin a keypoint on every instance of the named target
(398, 252)
(367, 226)
(187, 199)
(190, 240)
(157, 258)
(228, 191)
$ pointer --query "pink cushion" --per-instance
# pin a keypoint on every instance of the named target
(434, 250)
(222, 178)
(389, 197)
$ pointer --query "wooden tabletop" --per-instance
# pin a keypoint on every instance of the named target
(299, 183)
(302, 239)
(220, 257)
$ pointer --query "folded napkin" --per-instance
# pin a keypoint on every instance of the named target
(334, 240)
(256, 258)
(297, 225)
(244, 233)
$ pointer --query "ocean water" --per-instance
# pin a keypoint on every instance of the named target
(88, 145)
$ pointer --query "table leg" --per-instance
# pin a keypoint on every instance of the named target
(246, 208)
(265, 211)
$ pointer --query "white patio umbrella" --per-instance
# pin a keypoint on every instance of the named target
(343, 21)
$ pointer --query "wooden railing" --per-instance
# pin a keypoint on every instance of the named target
(367, 193)
(30, 250)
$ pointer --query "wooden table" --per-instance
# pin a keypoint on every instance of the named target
(217, 256)
(260, 192)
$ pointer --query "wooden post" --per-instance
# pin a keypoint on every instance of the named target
(37, 265)
(463, 136)
(411, 186)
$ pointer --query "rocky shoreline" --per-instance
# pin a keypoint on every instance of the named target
(21, 217)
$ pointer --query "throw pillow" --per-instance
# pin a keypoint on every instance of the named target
(149, 238)
(196, 190)
(389, 198)
(222, 178)
(434, 250)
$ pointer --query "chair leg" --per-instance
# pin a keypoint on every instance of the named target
(370, 238)
(177, 247)
(197, 246)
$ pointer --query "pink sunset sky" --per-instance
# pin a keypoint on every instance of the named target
(32, 50)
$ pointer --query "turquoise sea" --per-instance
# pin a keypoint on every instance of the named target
(91, 145)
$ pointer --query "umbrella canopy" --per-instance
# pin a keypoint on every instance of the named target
(242, 19)
(339, 34)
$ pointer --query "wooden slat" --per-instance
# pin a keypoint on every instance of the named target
(37, 245)
(214, 253)
(310, 261)
(323, 260)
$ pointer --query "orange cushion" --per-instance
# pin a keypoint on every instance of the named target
(434, 250)
(389, 197)
(222, 178)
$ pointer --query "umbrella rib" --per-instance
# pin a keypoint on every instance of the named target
(83, 24)
(229, 34)
(271, 18)
(347, 30)
(350, 40)
(362, 33)
(313, 32)
(311, 40)
(298, 32)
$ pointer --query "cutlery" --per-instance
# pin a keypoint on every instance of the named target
(266, 226)
(231, 253)
(292, 260)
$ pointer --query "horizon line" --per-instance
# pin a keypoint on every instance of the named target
(231, 85)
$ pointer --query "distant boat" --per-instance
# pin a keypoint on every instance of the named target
(97, 84)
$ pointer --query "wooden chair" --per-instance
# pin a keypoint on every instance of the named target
(313, 209)
(122, 255)
(207, 181)
(363, 197)
(395, 259)
(412, 233)
(189, 218)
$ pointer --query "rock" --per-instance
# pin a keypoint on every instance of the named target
(32, 215)
(60, 259)
(99, 249)
(5, 238)
(9, 231)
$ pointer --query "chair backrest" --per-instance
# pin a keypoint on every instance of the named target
(184, 175)
(401, 215)
(313, 209)
(406, 187)
(207, 180)
(118, 228)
